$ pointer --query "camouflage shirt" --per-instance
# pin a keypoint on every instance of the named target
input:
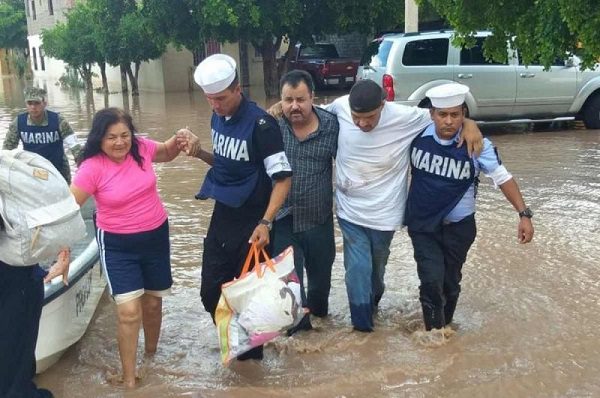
(11, 141)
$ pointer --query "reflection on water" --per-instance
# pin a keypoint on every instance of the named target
(527, 322)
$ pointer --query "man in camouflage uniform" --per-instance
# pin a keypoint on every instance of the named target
(44, 132)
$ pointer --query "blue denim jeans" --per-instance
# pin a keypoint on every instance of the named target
(366, 252)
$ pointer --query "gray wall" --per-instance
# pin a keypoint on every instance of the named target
(349, 45)
(43, 18)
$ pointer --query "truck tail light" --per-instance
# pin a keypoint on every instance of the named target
(325, 69)
(388, 86)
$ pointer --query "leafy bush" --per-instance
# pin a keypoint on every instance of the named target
(71, 79)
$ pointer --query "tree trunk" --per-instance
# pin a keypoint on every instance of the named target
(126, 102)
(135, 107)
(86, 71)
(284, 62)
(133, 79)
(124, 86)
(89, 100)
(244, 67)
(86, 75)
(136, 72)
(102, 66)
(268, 52)
(90, 108)
(89, 86)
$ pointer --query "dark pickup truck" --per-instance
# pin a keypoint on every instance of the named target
(323, 62)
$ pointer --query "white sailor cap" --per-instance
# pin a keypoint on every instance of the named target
(215, 73)
(447, 95)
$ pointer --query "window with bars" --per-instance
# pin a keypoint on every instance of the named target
(211, 47)
(42, 63)
(34, 53)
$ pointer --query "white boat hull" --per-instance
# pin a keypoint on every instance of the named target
(68, 310)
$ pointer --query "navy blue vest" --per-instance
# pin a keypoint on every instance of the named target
(43, 140)
(441, 174)
(236, 168)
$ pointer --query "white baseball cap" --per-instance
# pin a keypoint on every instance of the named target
(447, 95)
(215, 73)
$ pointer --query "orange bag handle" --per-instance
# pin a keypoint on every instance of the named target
(268, 263)
(253, 253)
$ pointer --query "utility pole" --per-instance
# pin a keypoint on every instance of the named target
(411, 16)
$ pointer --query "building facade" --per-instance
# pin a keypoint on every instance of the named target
(173, 71)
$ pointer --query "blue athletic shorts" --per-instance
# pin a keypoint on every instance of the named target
(136, 262)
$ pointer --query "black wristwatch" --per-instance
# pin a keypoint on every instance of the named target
(526, 213)
(269, 224)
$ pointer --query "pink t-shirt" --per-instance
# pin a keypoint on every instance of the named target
(126, 196)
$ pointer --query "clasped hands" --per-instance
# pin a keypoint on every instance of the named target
(188, 142)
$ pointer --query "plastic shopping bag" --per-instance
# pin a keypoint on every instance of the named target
(259, 305)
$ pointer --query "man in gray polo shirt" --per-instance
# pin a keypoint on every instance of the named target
(306, 219)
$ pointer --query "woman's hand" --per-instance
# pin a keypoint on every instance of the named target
(60, 267)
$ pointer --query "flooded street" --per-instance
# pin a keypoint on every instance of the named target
(527, 323)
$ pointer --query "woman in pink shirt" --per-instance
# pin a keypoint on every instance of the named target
(132, 226)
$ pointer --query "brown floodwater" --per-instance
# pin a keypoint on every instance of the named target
(526, 325)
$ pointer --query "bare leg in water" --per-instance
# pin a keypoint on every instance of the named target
(151, 320)
(129, 322)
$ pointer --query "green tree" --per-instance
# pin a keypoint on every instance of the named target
(138, 43)
(265, 23)
(74, 42)
(13, 24)
(107, 14)
(125, 36)
(176, 20)
(364, 16)
(542, 30)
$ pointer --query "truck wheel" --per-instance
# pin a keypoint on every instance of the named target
(541, 126)
(591, 113)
